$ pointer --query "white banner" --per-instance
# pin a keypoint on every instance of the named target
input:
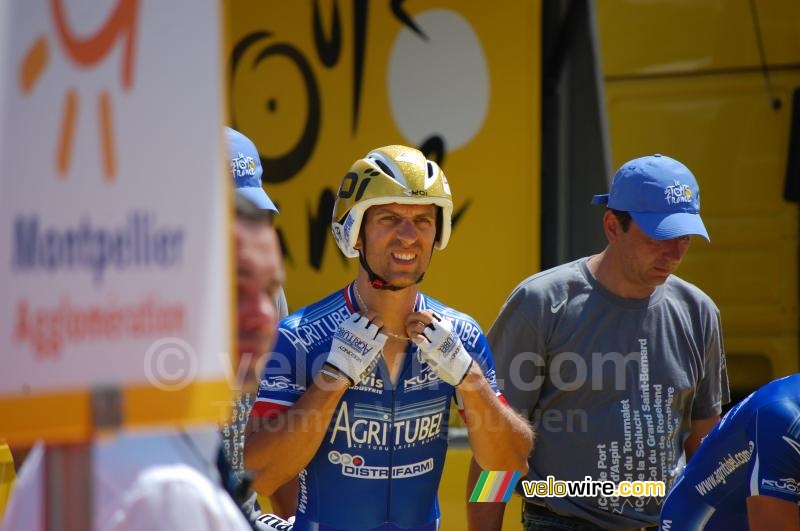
(113, 203)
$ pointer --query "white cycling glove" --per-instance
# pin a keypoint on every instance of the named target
(270, 522)
(443, 351)
(355, 347)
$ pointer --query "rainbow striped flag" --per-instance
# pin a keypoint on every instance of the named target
(494, 486)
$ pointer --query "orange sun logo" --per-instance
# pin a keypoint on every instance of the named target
(86, 52)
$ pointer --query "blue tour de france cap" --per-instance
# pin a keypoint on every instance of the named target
(246, 170)
(661, 195)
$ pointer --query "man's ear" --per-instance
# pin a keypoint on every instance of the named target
(611, 226)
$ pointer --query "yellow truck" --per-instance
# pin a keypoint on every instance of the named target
(717, 85)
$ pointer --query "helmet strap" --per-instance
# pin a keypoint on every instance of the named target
(374, 280)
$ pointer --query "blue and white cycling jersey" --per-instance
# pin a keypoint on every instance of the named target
(380, 462)
(753, 451)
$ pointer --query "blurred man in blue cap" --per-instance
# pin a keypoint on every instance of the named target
(246, 172)
(624, 358)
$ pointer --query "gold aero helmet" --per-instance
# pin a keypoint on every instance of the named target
(389, 174)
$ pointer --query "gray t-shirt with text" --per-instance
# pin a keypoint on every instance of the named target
(611, 385)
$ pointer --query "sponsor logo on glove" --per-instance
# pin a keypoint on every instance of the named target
(355, 348)
(358, 348)
(440, 347)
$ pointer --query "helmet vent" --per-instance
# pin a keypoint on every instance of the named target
(382, 165)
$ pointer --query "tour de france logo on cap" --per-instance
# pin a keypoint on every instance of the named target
(678, 193)
(243, 166)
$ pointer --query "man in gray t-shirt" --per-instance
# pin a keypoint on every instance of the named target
(618, 363)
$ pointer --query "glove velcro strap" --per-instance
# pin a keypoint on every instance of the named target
(465, 373)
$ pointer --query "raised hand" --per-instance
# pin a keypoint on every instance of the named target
(356, 346)
(439, 346)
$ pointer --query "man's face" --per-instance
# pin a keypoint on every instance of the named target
(399, 241)
(647, 262)
(259, 277)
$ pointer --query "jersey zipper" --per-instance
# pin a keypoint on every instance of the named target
(418, 303)
(391, 452)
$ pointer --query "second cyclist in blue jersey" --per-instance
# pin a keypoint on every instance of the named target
(746, 474)
(355, 399)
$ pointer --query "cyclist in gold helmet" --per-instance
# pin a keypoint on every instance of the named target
(355, 399)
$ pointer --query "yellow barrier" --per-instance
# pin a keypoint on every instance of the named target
(7, 476)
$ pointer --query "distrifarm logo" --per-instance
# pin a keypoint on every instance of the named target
(85, 52)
